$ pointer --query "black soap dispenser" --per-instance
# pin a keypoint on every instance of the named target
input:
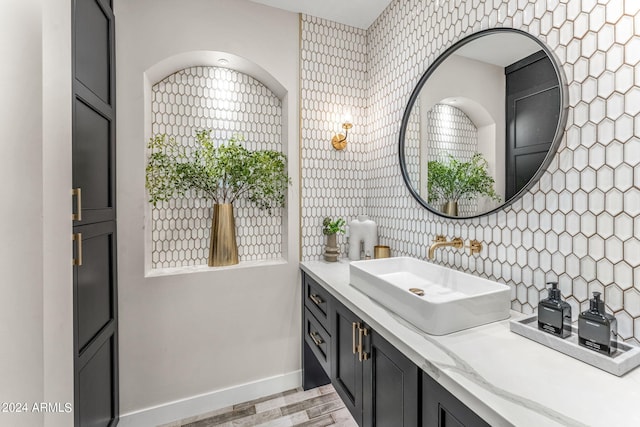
(597, 329)
(554, 315)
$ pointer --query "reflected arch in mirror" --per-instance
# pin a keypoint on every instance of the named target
(499, 93)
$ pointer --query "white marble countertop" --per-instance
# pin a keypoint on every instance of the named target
(505, 378)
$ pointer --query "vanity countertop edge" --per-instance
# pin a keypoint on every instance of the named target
(505, 378)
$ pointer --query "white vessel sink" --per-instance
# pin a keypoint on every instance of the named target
(452, 300)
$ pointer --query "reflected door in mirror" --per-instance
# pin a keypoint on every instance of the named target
(533, 109)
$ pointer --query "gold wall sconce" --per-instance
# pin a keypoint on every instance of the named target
(339, 141)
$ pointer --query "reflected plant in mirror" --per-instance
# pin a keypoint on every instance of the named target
(453, 180)
(495, 100)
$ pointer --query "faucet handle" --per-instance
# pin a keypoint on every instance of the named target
(440, 238)
(457, 242)
(475, 247)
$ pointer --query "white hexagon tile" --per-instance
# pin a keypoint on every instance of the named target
(333, 73)
(579, 225)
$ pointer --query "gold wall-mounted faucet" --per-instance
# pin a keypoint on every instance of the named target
(441, 242)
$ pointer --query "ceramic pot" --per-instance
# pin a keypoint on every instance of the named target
(331, 250)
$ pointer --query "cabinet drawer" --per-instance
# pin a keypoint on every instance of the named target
(317, 300)
(318, 339)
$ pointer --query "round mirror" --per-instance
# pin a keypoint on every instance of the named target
(483, 123)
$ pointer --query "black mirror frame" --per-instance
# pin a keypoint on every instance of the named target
(559, 133)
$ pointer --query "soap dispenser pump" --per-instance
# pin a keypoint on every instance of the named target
(597, 329)
(554, 315)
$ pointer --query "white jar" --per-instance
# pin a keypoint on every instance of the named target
(363, 236)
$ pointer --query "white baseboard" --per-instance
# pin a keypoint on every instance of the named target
(208, 402)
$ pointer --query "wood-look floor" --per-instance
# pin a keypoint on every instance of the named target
(317, 407)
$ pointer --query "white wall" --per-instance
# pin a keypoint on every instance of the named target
(185, 335)
(21, 358)
(36, 363)
(57, 226)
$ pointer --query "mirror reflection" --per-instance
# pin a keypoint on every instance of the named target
(482, 123)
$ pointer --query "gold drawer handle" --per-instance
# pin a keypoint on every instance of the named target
(77, 193)
(354, 325)
(316, 338)
(77, 238)
(316, 299)
(362, 355)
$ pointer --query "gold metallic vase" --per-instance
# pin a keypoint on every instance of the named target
(450, 208)
(223, 249)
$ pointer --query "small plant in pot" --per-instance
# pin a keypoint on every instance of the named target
(220, 173)
(331, 228)
(450, 181)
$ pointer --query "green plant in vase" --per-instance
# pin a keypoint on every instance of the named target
(220, 173)
(453, 180)
(331, 228)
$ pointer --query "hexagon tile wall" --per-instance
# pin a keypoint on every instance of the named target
(229, 103)
(581, 223)
(333, 64)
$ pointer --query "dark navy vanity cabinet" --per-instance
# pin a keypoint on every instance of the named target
(441, 408)
(377, 383)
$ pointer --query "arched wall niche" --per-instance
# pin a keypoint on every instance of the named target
(193, 58)
(231, 96)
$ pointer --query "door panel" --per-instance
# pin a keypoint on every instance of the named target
(532, 112)
(388, 377)
(448, 420)
(92, 160)
(96, 406)
(95, 284)
(442, 409)
(93, 48)
(529, 129)
(96, 323)
(526, 165)
(346, 369)
(391, 392)
(95, 277)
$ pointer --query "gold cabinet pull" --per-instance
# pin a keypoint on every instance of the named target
(316, 299)
(362, 355)
(77, 238)
(316, 338)
(77, 193)
(354, 326)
